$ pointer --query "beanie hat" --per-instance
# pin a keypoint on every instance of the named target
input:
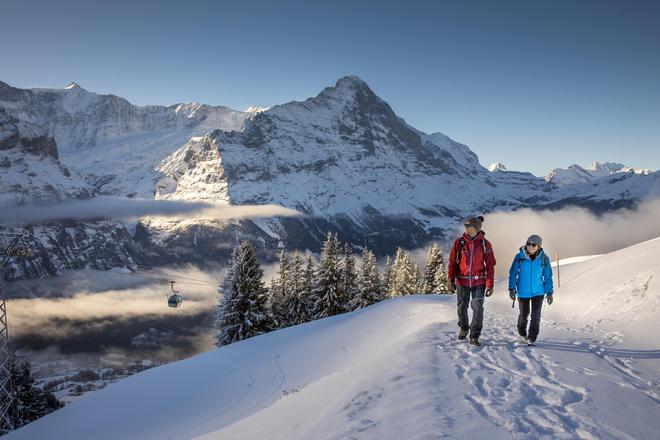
(535, 239)
(475, 220)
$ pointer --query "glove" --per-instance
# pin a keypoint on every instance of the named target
(452, 286)
(548, 298)
(512, 294)
(489, 291)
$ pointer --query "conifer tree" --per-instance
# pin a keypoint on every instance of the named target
(418, 279)
(295, 299)
(245, 311)
(404, 276)
(280, 290)
(308, 288)
(435, 272)
(327, 290)
(349, 285)
(441, 279)
(369, 288)
(227, 319)
(30, 400)
(387, 277)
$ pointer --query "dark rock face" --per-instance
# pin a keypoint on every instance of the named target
(28, 137)
(75, 245)
(42, 145)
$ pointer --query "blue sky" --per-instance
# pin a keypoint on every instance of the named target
(534, 85)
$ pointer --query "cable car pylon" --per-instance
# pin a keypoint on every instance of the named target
(9, 247)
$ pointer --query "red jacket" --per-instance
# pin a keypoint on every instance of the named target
(474, 267)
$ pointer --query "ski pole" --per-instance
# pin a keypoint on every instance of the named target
(513, 303)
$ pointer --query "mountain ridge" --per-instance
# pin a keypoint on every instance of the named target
(343, 157)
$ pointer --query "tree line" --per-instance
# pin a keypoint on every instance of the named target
(302, 292)
(29, 402)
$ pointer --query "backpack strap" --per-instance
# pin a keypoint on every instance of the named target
(459, 251)
(483, 245)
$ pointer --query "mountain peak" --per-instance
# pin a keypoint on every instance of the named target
(73, 86)
(351, 81)
(348, 88)
(497, 166)
(608, 167)
(255, 109)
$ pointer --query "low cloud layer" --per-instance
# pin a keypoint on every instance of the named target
(121, 208)
(96, 311)
(571, 231)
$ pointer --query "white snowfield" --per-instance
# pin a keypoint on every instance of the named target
(395, 371)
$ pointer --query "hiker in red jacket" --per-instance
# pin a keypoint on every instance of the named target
(471, 271)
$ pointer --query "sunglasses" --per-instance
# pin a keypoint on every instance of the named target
(532, 244)
(469, 225)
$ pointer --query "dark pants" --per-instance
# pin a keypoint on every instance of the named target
(536, 303)
(474, 296)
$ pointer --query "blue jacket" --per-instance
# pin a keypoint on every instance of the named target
(530, 277)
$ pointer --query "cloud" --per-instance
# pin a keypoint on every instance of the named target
(120, 208)
(98, 309)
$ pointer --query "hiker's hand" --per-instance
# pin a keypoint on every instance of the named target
(549, 298)
(489, 291)
(512, 294)
(452, 286)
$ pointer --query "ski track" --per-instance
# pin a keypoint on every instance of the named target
(278, 378)
(517, 387)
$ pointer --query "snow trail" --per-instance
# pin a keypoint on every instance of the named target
(524, 389)
(515, 387)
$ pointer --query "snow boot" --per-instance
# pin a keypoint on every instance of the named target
(475, 341)
(462, 334)
(531, 342)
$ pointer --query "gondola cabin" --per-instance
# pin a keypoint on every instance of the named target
(174, 299)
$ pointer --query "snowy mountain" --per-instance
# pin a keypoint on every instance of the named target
(349, 162)
(614, 191)
(575, 174)
(350, 376)
(30, 171)
(113, 143)
(343, 157)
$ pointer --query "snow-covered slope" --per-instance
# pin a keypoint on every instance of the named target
(575, 174)
(616, 293)
(395, 371)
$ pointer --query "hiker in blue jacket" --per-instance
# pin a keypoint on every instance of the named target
(530, 278)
